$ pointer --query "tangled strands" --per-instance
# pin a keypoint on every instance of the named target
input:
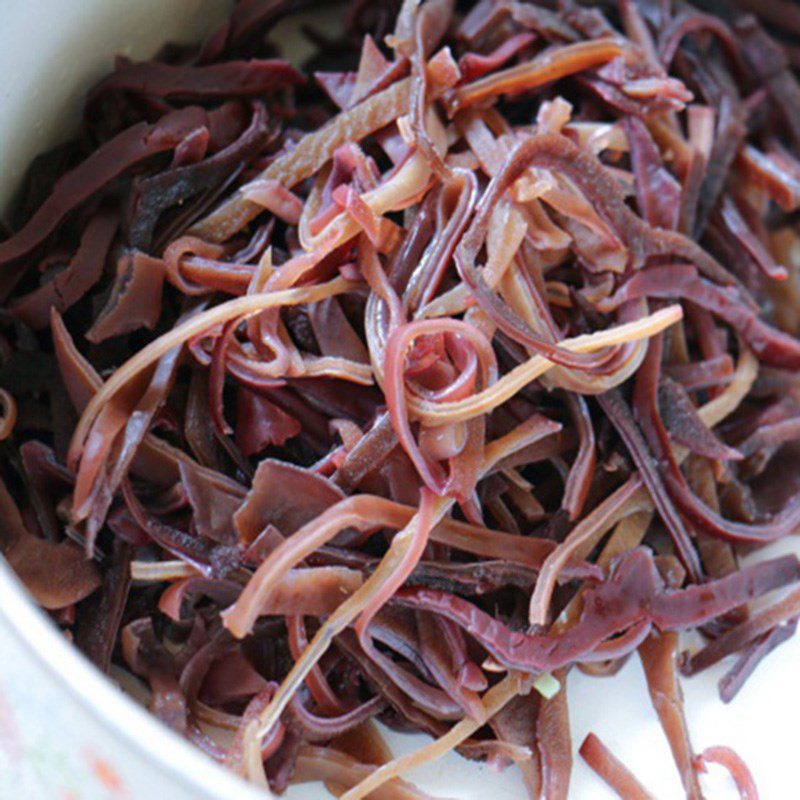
(238, 308)
(405, 388)
(455, 332)
(366, 601)
(523, 374)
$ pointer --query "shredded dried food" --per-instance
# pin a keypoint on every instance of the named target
(395, 385)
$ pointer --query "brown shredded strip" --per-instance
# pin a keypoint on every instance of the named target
(611, 770)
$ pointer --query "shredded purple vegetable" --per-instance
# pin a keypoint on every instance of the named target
(395, 384)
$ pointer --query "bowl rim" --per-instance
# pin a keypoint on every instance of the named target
(95, 693)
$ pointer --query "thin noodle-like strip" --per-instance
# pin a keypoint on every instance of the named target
(519, 377)
(493, 701)
(549, 66)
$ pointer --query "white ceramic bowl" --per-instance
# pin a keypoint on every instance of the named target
(67, 733)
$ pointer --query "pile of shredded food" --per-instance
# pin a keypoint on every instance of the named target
(396, 385)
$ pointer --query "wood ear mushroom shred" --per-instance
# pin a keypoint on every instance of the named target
(407, 379)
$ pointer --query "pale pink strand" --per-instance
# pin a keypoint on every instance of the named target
(608, 512)
(409, 560)
(731, 761)
(370, 267)
(395, 391)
